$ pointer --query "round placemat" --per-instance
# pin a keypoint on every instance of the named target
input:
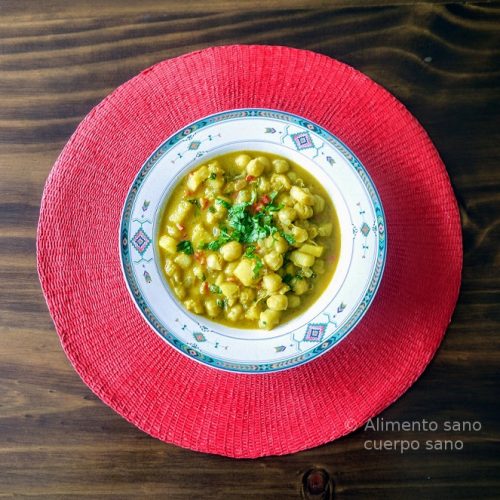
(175, 398)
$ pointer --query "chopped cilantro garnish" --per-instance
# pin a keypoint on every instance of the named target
(195, 202)
(246, 226)
(211, 209)
(224, 203)
(221, 303)
(221, 240)
(214, 289)
(288, 237)
(212, 176)
(287, 279)
(250, 251)
(258, 266)
(186, 247)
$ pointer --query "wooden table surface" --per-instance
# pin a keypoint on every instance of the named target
(58, 59)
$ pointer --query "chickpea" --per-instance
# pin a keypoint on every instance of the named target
(277, 302)
(269, 319)
(280, 181)
(285, 199)
(264, 185)
(194, 305)
(281, 166)
(235, 312)
(254, 311)
(213, 309)
(280, 244)
(300, 286)
(242, 160)
(299, 234)
(274, 260)
(265, 161)
(243, 196)
(287, 215)
(301, 259)
(255, 167)
(301, 196)
(247, 296)
(312, 231)
(271, 282)
(303, 211)
(231, 251)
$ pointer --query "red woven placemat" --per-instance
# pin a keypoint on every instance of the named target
(179, 400)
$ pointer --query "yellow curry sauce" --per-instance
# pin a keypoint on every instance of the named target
(249, 240)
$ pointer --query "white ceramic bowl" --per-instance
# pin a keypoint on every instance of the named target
(354, 283)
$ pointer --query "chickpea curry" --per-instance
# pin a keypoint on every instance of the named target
(249, 240)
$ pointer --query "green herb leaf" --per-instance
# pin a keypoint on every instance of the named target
(221, 240)
(221, 303)
(212, 176)
(224, 203)
(258, 266)
(186, 247)
(214, 289)
(247, 227)
(211, 208)
(288, 237)
(287, 279)
(250, 252)
(273, 208)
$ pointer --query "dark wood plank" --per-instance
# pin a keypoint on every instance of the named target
(58, 59)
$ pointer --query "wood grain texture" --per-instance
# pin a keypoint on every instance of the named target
(58, 59)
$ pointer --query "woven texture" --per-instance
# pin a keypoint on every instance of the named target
(183, 402)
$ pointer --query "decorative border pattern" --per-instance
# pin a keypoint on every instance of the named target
(139, 241)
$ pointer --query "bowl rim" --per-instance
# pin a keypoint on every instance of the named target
(333, 340)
